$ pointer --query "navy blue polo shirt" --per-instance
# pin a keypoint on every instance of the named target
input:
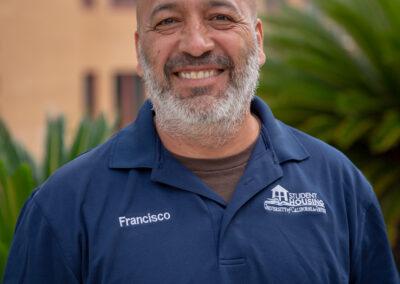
(128, 212)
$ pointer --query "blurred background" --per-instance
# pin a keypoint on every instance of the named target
(68, 81)
(75, 58)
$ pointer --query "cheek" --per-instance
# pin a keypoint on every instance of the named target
(153, 58)
(234, 44)
(162, 44)
(158, 53)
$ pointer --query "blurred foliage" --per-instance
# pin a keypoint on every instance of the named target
(13, 154)
(20, 174)
(333, 71)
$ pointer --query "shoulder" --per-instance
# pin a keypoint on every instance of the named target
(318, 148)
(78, 172)
(328, 163)
(86, 180)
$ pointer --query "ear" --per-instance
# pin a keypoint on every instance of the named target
(260, 41)
(139, 68)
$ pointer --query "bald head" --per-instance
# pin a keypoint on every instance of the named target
(253, 8)
(142, 5)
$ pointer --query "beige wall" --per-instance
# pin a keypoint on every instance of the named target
(46, 48)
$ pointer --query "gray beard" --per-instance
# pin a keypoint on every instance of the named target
(194, 119)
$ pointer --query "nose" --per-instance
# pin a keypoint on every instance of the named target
(195, 39)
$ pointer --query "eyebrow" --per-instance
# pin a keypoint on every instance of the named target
(173, 5)
(216, 3)
(162, 7)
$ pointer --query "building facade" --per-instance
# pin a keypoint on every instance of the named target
(71, 58)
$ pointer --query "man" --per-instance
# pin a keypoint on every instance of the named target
(206, 186)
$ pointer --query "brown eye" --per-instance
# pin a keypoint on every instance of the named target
(221, 18)
(166, 22)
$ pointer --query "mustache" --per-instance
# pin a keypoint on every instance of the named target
(208, 58)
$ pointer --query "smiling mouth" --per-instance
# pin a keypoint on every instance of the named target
(199, 75)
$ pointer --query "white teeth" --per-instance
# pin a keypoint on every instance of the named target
(197, 75)
(200, 75)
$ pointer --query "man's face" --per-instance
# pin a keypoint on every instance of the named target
(199, 54)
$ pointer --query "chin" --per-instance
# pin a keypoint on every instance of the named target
(202, 103)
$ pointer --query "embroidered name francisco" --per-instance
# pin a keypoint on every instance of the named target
(149, 218)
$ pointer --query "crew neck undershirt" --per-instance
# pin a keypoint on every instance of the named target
(221, 175)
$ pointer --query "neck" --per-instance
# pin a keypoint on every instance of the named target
(187, 147)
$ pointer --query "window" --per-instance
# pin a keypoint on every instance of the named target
(129, 96)
(281, 195)
(88, 3)
(89, 94)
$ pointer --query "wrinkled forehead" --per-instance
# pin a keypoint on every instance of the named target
(145, 8)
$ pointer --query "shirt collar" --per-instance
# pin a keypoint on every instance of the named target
(137, 145)
(281, 137)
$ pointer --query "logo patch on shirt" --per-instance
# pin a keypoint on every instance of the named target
(284, 201)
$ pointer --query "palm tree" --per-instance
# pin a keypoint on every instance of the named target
(20, 174)
(333, 71)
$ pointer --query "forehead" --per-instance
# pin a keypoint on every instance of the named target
(146, 8)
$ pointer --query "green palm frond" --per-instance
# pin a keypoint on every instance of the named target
(13, 154)
(19, 174)
(14, 190)
(333, 71)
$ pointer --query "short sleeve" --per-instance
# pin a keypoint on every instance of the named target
(36, 255)
(373, 260)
